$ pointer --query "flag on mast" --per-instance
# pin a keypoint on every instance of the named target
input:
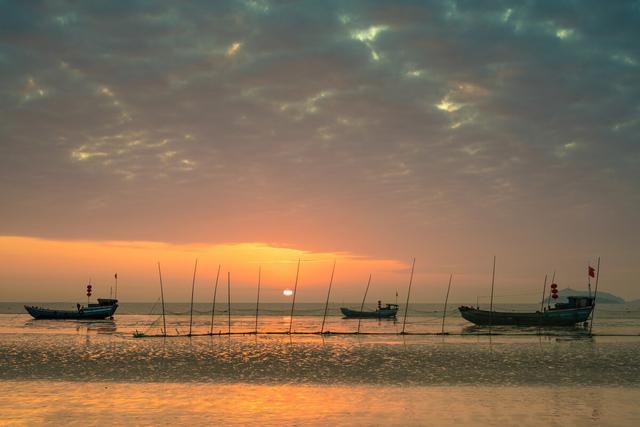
(592, 272)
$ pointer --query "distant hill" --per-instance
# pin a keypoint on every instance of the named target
(603, 297)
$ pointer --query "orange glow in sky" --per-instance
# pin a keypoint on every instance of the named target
(53, 270)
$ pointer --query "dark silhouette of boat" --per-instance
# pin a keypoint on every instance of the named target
(576, 310)
(388, 311)
(105, 308)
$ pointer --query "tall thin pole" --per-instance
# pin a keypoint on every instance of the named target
(229, 300)
(258, 297)
(295, 290)
(589, 278)
(406, 308)
(553, 280)
(544, 291)
(326, 304)
(164, 320)
(493, 279)
(193, 287)
(362, 305)
(595, 295)
(116, 276)
(446, 299)
(213, 305)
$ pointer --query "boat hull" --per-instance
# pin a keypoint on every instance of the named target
(558, 317)
(92, 313)
(378, 314)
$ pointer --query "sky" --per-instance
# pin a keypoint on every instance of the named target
(256, 133)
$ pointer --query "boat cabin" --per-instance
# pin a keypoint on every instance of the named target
(105, 302)
(575, 302)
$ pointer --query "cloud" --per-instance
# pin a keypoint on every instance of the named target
(383, 125)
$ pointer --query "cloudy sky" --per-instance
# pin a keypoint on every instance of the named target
(449, 131)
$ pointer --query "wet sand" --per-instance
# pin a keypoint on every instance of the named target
(79, 373)
(78, 403)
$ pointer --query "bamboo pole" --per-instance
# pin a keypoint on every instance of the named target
(295, 291)
(362, 305)
(589, 277)
(493, 279)
(595, 295)
(258, 297)
(213, 305)
(326, 304)
(229, 300)
(193, 287)
(444, 313)
(406, 308)
(553, 280)
(544, 290)
(164, 321)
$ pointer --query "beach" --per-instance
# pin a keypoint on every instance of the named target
(94, 372)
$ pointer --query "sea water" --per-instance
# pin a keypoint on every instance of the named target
(90, 372)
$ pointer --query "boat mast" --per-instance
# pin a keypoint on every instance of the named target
(362, 305)
(406, 308)
(493, 279)
(589, 277)
(553, 280)
(258, 297)
(444, 313)
(326, 304)
(193, 286)
(213, 305)
(293, 303)
(229, 300)
(595, 295)
(164, 321)
(544, 290)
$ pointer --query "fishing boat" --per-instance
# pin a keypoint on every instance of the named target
(576, 310)
(388, 311)
(105, 308)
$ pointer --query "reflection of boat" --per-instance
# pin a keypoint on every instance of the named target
(577, 310)
(387, 311)
(106, 326)
(105, 307)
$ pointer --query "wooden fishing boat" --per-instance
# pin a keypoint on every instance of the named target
(576, 310)
(388, 311)
(105, 308)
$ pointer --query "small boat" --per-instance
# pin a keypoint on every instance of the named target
(576, 310)
(105, 308)
(388, 311)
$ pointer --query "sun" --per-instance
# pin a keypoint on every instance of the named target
(287, 292)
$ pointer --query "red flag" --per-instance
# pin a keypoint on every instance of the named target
(592, 271)
(116, 276)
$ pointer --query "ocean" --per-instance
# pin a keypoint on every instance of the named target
(95, 372)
